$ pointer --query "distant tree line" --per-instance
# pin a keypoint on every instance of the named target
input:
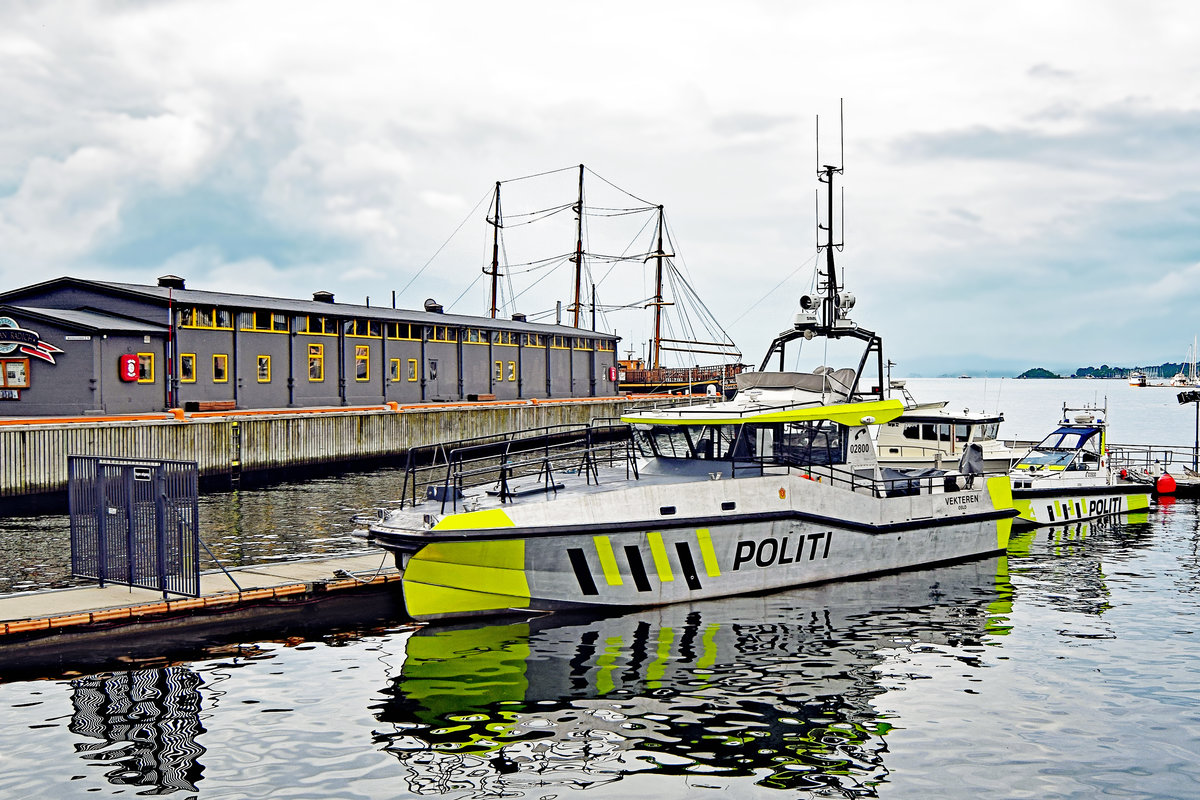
(1167, 369)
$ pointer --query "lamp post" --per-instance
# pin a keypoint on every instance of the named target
(1193, 397)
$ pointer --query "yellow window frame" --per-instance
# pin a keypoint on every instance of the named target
(316, 356)
(261, 361)
(185, 358)
(149, 360)
(223, 360)
(362, 356)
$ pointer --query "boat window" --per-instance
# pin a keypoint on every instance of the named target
(804, 444)
(799, 444)
(987, 430)
(932, 432)
(705, 442)
(912, 431)
(961, 432)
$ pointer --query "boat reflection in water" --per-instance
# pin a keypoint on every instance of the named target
(777, 689)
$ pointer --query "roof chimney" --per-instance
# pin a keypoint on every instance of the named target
(432, 306)
(518, 317)
(323, 297)
(170, 282)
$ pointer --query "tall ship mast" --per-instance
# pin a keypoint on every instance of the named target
(673, 338)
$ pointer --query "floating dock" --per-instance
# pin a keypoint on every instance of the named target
(92, 625)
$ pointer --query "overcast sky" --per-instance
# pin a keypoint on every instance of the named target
(1022, 180)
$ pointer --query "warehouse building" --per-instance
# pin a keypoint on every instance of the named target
(70, 346)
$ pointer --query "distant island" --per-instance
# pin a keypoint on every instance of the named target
(1038, 372)
(1164, 370)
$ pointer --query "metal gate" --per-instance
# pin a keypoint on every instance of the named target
(134, 522)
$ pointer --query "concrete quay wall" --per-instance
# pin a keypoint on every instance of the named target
(33, 453)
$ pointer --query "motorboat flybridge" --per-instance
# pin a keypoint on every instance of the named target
(777, 487)
(1069, 476)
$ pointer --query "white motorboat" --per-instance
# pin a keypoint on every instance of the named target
(934, 435)
(1069, 476)
(779, 486)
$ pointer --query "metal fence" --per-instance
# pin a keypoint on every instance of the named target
(135, 522)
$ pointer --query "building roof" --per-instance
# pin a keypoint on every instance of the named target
(86, 320)
(162, 295)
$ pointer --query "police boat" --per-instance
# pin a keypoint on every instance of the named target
(1069, 475)
(779, 486)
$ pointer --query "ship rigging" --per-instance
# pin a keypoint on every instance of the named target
(682, 329)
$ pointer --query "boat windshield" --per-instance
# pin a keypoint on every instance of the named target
(987, 431)
(1066, 448)
(799, 444)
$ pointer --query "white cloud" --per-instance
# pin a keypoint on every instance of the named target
(993, 153)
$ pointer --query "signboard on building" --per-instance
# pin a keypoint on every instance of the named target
(14, 338)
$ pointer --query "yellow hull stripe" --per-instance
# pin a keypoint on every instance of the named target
(1000, 490)
(659, 552)
(471, 520)
(447, 578)
(708, 553)
(608, 561)
(1139, 502)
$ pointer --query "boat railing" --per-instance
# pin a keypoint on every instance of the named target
(890, 483)
(536, 456)
(1151, 459)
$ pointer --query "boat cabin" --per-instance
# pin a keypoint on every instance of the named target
(747, 448)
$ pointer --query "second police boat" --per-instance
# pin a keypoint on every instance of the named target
(779, 486)
(1069, 475)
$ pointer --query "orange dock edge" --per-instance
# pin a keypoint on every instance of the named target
(147, 612)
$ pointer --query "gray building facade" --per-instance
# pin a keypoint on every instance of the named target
(71, 347)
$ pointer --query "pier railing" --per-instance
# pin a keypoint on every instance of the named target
(1152, 460)
(516, 463)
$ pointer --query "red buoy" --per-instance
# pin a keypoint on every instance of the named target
(1165, 484)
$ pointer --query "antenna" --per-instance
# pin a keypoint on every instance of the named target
(825, 175)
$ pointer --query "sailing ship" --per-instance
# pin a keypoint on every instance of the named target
(779, 486)
(650, 373)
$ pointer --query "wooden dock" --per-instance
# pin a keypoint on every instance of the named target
(228, 444)
(70, 629)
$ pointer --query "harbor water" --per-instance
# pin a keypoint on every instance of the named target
(1067, 668)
